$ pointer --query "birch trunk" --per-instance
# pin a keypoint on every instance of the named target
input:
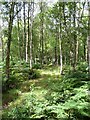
(24, 41)
(60, 44)
(31, 31)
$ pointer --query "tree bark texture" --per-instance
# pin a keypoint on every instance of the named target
(10, 25)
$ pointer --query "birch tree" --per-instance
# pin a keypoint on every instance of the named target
(41, 31)
(60, 42)
(31, 30)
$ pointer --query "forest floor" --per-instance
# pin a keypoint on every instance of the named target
(48, 94)
(41, 87)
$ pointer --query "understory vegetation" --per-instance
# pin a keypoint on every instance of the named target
(47, 95)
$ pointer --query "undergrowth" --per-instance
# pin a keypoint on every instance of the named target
(65, 98)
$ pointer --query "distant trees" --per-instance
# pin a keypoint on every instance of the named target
(56, 35)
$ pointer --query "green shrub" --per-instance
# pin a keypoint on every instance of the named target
(78, 75)
(82, 66)
(33, 74)
(37, 66)
(75, 107)
(30, 107)
(66, 99)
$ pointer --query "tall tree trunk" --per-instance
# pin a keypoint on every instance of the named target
(24, 41)
(18, 33)
(55, 49)
(77, 41)
(41, 31)
(56, 45)
(28, 31)
(75, 38)
(89, 37)
(31, 38)
(10, 23)
(31, 31)
(70, 40)
(27, 37)
(27, 48)
(1, 41)
(60, 47)
(60, 43)
(77, 46)
(1, 47)
(2, 44)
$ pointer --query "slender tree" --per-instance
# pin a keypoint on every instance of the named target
(31, 31)
(18, 30)
(28, 35)
(89, 36)
(74, 37)
(60, 42)
(42, 30)
(10, 25)
(24, 31)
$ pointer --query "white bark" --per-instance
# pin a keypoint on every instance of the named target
(31, 29)
(27, 48)
(60, 47)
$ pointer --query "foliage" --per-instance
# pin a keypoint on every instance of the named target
(36, 40)
(82, 66)
(66, 99)
(33, 74)
(19, 72)
(37, 66)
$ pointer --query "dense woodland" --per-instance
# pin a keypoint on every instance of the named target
(45, 61)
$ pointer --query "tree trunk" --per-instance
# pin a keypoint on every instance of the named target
(27, 38)
(2, 45)
(27, 48)
(18, 33)
(55, 49)
(60, 47)
(75, 39)
(41, 31)
(24, 41)
(89, 37)
(28, 32)
(1, 42)
(56, 45)
(1, 48)
(10, 23)
(31, 31)
(60, 43)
